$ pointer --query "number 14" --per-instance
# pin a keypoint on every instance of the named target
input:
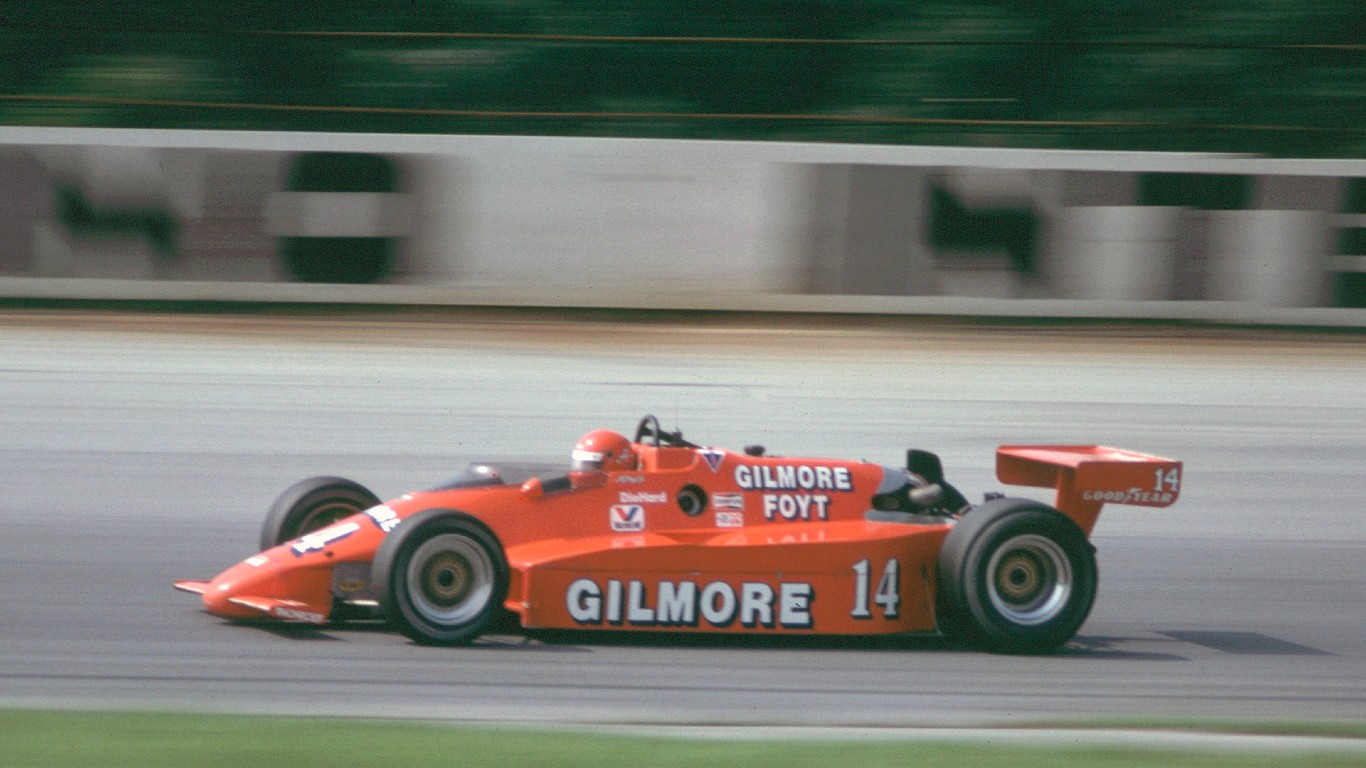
(888, 595)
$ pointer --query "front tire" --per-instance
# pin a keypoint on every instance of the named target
(441, 578)
(311, 505)
(1016, 576)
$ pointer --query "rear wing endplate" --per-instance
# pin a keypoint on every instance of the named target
(1087, 477)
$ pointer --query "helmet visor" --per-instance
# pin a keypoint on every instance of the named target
(586, 461)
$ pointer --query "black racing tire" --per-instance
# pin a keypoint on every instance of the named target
(311, 505)
(441, 578)
(1015, 576)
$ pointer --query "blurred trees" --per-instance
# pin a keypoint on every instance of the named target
(1282, 77)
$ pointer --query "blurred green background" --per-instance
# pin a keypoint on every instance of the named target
(1280, 77)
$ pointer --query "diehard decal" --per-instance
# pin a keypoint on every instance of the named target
(713, 456)
(689, 604)
(730, 519)
(627, 518)
(642, 497)
(792, 477)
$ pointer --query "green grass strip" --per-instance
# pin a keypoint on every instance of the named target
(42, 739)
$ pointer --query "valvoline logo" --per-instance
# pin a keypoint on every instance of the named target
(627, 518)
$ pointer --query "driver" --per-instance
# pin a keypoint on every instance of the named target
(597, 453)
(603, 450)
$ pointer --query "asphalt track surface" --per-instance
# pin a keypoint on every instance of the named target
(137, 449)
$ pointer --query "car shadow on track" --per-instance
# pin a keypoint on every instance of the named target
(1110, 649)
(923, 642)
(573, 640)
(1082, 647)
(338, 631)
(286, 630)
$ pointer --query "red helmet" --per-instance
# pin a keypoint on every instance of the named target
(603, 449)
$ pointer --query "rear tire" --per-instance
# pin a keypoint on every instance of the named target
(311, 505)
(1016, 576)
(441, 578)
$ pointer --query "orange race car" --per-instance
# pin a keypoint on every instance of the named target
(660, 534)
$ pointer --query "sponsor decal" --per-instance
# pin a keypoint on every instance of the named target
(257, 561)
(792, 477)
(642, 497)
(384, 518)
(1131, 496)
(792, 507)
(627, 518)
(628, 479)
(351, 586)
(294, 614)
(713, 457)
(689, 604)
(318, 540)
(730, 519)
(735, 501)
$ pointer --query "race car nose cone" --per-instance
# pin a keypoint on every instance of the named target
(253, 576)
(276, 584)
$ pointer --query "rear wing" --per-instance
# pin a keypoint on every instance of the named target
(1089, 476)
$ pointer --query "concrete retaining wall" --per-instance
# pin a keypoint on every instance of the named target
(99, 213)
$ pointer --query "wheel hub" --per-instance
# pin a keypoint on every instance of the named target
(1020, 577)
(1029, 579)
(446, 579)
